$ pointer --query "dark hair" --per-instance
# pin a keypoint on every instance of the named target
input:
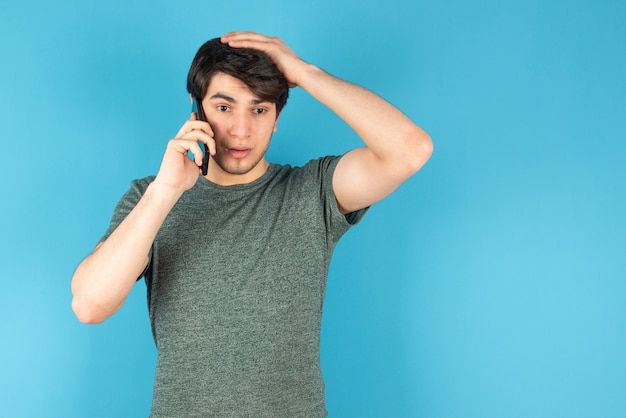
(253, 67)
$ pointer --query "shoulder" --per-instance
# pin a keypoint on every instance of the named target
(326, 163)
(316, 168)
(142, 183)
(136, 190)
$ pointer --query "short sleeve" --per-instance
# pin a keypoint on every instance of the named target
(337, 223)
(126, 204)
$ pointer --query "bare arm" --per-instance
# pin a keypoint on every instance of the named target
(395, 148)
(104, 279)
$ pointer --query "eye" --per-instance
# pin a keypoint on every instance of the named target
(259, 111)
(222, 108)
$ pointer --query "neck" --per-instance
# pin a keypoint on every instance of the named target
(221, 177)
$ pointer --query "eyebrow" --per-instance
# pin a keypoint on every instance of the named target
(232, 100)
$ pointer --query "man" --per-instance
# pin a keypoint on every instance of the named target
(236, 261)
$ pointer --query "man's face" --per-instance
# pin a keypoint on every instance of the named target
(243, 125)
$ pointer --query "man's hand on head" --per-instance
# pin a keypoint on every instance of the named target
(292, 66)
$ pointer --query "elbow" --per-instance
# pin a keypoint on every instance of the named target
(88, 308)
(426, 148)
(421, 150)
(87, 313)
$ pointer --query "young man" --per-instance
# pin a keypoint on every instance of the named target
(236, 261)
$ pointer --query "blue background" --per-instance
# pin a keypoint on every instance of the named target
(492, 284)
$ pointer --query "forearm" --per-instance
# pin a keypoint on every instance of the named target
(386, 131)
(104, 279)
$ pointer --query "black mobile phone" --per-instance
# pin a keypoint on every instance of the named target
(196, 106)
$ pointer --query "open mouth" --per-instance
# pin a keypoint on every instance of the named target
(239, 152)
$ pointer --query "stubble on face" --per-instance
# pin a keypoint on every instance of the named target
(243, 125)
(238, 166)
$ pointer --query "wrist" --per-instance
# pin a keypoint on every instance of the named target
(163, 194)
(309, 77)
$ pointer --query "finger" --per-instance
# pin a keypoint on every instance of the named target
(183, 147)
(186, 126)
(194, 125)
(249, 40)
(245, 35)
(199, 136)
(198, 154)
(203, 126)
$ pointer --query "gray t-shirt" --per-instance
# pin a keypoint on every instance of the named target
(236, 284)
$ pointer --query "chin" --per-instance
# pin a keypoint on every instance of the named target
(238, 167)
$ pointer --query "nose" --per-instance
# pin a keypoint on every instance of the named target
(240, 125)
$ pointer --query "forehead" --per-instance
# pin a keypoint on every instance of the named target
(224, 83)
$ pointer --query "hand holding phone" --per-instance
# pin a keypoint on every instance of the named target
(196, 106)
